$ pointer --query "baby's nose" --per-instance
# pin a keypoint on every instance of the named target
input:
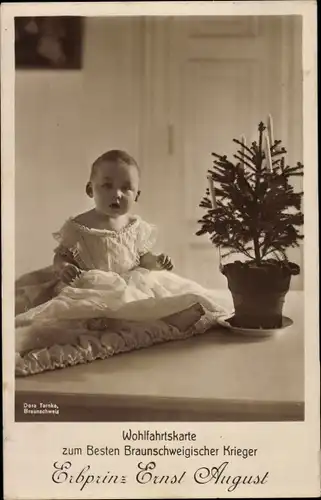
(117, 194)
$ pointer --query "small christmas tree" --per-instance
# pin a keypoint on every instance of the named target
(256, 212)
(252, 210)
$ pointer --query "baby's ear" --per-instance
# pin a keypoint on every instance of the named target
(137, 196)
(89, 190)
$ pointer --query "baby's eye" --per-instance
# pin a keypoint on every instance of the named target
(127, 187)
(108, 185)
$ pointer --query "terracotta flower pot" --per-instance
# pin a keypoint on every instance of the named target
(259, 292)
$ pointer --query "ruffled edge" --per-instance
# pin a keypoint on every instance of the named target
(146, 238)
(102, 232)
(89, 348)
(65, 237)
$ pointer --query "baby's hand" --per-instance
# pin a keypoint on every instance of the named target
(164, 262)
(69, 272)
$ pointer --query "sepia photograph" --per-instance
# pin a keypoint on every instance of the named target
(159, 219)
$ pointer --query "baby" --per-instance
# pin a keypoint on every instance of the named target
(106, 264)
(114, 187)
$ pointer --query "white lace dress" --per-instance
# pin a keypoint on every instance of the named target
(113, 285)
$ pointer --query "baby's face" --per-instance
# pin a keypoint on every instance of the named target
(115, 188)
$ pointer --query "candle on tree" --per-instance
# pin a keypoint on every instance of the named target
(270, 130)
(243, 141)
(212, 191)
(268, 154)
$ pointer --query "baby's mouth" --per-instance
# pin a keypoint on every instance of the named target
(115, 205)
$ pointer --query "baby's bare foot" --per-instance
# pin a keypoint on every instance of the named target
(185, 319)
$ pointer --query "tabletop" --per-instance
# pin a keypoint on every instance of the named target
(213, 377)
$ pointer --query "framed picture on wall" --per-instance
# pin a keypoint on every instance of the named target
(48, 42)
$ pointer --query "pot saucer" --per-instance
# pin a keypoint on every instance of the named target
(254, 332)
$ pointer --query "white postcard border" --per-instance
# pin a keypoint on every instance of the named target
(289, 450)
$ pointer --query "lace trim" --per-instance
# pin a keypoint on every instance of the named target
(90, 230)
